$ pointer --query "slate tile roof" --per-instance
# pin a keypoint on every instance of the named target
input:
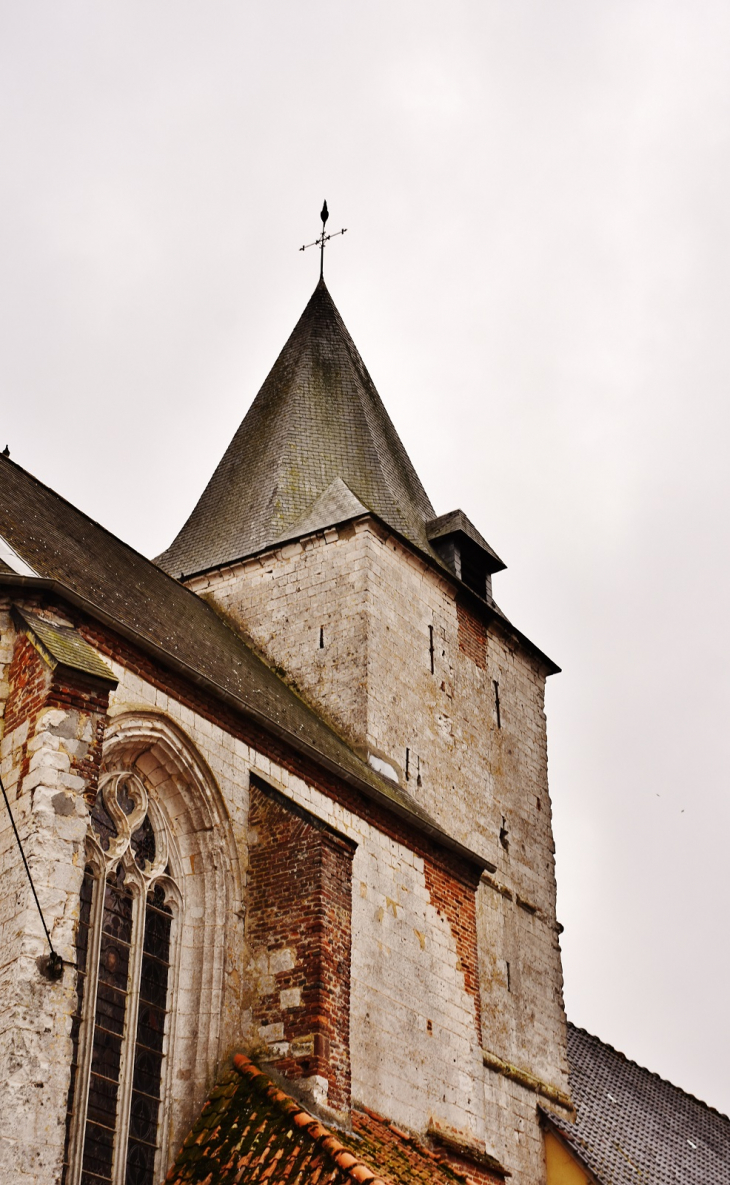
(251, 1131)
(634, 1128)
(112, 581)
(66, 647)
(316, 447)
(317, 417)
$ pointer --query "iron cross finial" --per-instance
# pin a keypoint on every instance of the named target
(323, 238)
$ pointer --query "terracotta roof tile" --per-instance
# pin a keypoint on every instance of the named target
(251, 1131)
(112, 580)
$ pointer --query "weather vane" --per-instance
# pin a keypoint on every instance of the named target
(323, 238)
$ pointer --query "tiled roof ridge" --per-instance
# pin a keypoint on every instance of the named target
(77, 510)
(415, 487)
(348, 1164)
(652, 1073)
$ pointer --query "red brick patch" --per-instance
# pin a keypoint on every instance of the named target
(472, 633)
(300, 901)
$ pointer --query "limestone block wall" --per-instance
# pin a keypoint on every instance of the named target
(522, 992)
(415, 991)
(305, 607)
(454, 705)
(415, 1049)
(357, 620)
(50, 754)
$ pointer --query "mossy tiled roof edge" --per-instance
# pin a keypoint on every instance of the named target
(251, 1130)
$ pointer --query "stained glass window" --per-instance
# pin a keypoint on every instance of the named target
(148, 1049)
(122, 992)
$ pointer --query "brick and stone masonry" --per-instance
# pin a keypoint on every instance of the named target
(298, 928)
(51, 754)
(349, 614)
(417, 978)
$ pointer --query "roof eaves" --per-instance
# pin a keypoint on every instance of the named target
(357, 1170)
(547, 1119)
(431, 556)
(651, 1073)
(370, 786)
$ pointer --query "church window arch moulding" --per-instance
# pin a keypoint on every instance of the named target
(123, 1023)
(154, 907)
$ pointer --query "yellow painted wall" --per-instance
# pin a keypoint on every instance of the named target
(562, 1169)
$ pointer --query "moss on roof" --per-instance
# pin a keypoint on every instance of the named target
(65, 646)
(251, 1131)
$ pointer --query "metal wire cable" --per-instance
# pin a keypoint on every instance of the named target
(55, 962)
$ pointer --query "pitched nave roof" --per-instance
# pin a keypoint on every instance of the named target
(46, 536)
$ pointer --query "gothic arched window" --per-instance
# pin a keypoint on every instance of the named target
(125, 973)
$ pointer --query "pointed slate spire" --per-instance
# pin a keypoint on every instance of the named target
(317, 418)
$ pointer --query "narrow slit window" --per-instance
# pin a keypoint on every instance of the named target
(430, 647)
(496, 703)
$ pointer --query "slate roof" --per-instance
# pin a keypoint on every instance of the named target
(118, 586)
(251, 1131)
(336, 505)
(316, 448)
(456, 522)
(65, 647)
(317, 417)
(634, 1128)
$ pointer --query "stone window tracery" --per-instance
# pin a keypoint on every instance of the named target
(129, 905)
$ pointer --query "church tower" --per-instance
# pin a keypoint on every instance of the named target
(315, 537)
(277, 888)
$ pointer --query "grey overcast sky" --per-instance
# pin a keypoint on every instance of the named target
(537, 197)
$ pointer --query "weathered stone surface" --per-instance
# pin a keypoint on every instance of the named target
(44, 765)
(441, 969)
(351, 616)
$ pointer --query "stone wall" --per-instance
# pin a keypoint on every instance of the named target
(50, 751)
(298, 927)
(415, 1051)
(407, 967)
(417, 983)
(426, 683)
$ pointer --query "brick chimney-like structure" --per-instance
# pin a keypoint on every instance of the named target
(298, 929)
